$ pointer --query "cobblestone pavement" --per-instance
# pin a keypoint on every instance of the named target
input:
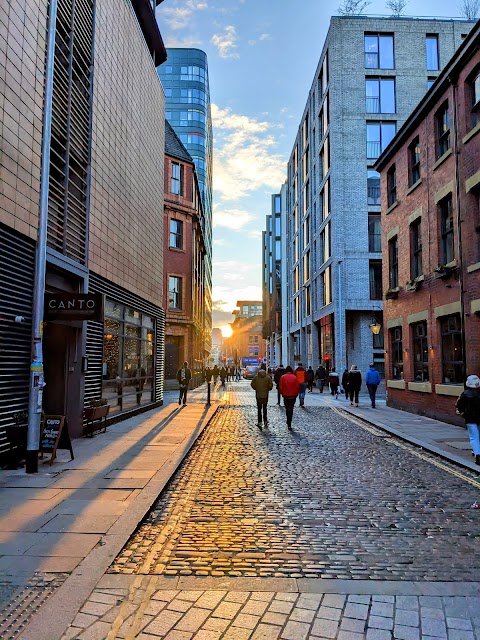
(329, 499)
(146, 613)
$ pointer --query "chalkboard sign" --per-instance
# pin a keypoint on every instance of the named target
(55, 436)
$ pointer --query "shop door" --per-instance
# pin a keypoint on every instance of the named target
(173, 355)
(58, 347)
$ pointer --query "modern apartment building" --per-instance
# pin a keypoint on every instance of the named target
(184, 263)
(430, 177)
(371, 74)
(274, 274)
(187, 98)
(103, 197)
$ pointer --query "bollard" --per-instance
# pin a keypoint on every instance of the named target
(208, 393)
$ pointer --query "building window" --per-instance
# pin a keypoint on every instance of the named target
(430, 81)
(296, 302)
(420, 351)
(375, 276)
(308, 301)
(174, 292)
(379, 51)
(327, 286)
(391, 186)
(396, 350)
(447, 250)
(432, 53)
(277, 205)
(373, 187)
(177, 179)
(379, 134)
(375, 232)
(414, 161)
(380, 95)
(128, 357)
(442, 120)
(176, 234)
(452, 351)
(306, 266)
(416, 248)
(474, 85)
(393, 262)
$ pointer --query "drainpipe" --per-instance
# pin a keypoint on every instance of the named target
(36, 367)
(340, 319)
(461, 280)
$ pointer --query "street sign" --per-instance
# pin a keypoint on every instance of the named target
(74, 306)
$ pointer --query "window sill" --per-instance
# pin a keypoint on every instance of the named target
(442, 159)
(420, 387)
(414, 186)
(392, 206)
(396, 384)
(473, 267)
(177, 249)
(449, 389)
(473, 132)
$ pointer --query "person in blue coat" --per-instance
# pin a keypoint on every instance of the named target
(372, 380)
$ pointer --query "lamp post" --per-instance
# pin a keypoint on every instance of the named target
(375, 327)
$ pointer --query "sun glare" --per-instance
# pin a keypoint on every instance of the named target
(226, 331)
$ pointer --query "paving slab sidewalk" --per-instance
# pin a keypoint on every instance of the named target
(73, 517)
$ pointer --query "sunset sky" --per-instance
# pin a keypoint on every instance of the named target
(262, 55)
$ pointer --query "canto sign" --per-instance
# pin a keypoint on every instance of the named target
(74, 306)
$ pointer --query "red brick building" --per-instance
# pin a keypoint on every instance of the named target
(184, 252)
(430, 179)
(246, 342)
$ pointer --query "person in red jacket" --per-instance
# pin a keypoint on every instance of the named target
(289, 388)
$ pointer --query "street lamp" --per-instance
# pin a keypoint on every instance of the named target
(375, 327)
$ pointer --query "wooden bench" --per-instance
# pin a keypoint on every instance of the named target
(95, 419)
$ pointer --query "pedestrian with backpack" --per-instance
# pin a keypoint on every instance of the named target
(468, 406)
(289, 388)
(301, 375)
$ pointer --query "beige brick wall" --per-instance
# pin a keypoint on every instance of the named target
(22, 55)
(126, 207)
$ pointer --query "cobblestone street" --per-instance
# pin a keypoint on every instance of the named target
(328, 500)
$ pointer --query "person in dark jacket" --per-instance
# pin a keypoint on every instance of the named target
(262, 383)
(354, 384)
(372, 380)
(334, 382)
(345, 383)
(320, 375)
(216, 371)
(289, 388)
(310, 379)
(223, 375)
(184, 375)
(468, 406)
(279, 371)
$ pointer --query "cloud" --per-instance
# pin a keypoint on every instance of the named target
(265, 36)
(256, 233)
(185, 43)
(245, 158)
(226, 298)
(178, 16)
(219, 242)
(226, 43)
(231, 218)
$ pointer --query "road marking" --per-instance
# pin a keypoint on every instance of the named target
(407, 447)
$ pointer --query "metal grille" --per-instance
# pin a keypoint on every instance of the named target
(17, 258)
(94, 348)
(71, 129)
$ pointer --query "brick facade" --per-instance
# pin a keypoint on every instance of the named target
(439, 292)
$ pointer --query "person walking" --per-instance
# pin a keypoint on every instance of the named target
(334, 382)
(320, 375)
(301, 374)
(468, 406)
(345, 383)
(262, 383)
(223, 375)
(216, 371)
(372, 380)
(354, 384)
(184, 375)
(279, 371)
(289, 388)
(310, 379)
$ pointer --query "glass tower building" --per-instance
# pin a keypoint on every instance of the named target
(187, 108)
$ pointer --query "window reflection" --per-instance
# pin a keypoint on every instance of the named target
(128, 361)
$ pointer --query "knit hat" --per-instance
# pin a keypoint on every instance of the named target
(354, 367)
(473, 382)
